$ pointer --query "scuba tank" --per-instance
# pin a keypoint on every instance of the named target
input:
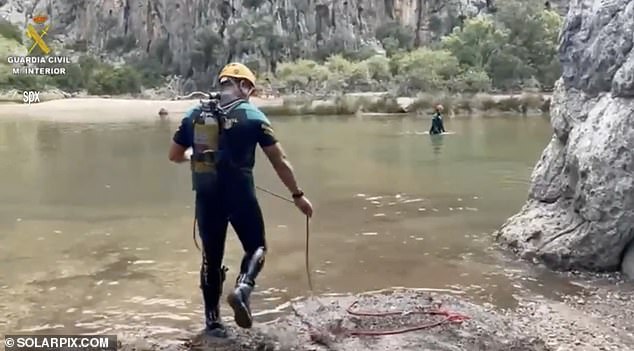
(207, 126)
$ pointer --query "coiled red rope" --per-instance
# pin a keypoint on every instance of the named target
(451, 317)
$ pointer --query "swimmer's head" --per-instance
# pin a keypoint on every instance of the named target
(162, 112)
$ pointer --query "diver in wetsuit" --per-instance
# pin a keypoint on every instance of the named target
(437, 125)
(222, 174)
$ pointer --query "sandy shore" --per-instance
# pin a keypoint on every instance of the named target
(92, 109)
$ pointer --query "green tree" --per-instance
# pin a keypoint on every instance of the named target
(547, 61)
(379, 68)
(424, 70)
(150, 71)
(476, 42)
(78, 76)
(472, 80)
(516, 47)
(122, 80)
(208, 48)
(394, 37)
(72, 81)
(507, 71)
(23, 82)
(533, 37)
(302, 75)
(344, 73)
(363, 53)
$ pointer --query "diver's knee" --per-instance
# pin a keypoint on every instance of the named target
(258, 255)
(252, 263)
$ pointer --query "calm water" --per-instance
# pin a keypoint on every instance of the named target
(96, 224)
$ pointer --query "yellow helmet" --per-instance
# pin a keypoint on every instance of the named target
(237, 70)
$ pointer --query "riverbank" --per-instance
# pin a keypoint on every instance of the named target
(53, 104)
(597, 321)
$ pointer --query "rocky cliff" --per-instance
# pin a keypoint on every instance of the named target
(580, 210)
(194, 36)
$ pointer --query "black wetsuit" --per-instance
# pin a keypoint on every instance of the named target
(437, 125)
(231, 200)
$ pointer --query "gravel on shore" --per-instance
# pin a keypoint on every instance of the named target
(599, 319)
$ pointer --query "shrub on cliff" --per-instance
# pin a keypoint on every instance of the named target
(548, 68)
(9, 31)
(379, 69)
(121, 44)
(78, 76)
(151, 71)
(343, 73)
(72, 81)
(21, 82)
(122, 80)
(301, 75)
(395, 37)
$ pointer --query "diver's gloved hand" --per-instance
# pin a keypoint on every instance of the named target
(302, 203)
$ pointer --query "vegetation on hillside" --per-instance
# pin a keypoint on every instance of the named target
(9, 31)
(513, 48)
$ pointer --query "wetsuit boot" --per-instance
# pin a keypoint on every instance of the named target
(211, 285)
(239, 298)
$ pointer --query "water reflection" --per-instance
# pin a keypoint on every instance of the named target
(115, 216)
(436, 142)
(48, 138)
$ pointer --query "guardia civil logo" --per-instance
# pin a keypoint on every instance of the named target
(36, 30)
(38, 60)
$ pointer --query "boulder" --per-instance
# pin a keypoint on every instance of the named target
(580, 209)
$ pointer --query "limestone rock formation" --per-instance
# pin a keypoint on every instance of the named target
(310, 20)
(580, 210)
(194, 37)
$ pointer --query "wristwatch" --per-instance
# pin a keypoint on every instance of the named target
(298, 195)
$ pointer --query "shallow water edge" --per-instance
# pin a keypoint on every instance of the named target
(351, 104)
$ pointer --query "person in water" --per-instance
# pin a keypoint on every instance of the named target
(222, 174)
(437, 125)
(162, 113)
